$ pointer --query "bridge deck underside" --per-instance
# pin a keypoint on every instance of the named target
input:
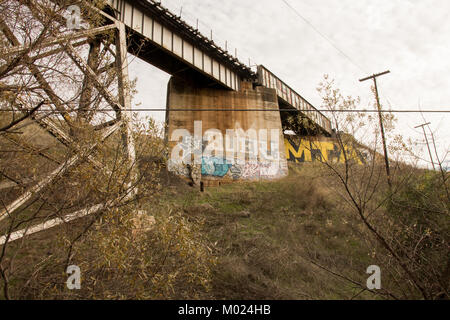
(291, 99)
(162, 39)
(188, 53)
(295, 120)
(167, 62)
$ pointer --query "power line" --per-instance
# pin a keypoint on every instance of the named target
(326, 38)
(323, 36)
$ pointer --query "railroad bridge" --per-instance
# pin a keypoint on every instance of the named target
(212, 88)
(224, 121)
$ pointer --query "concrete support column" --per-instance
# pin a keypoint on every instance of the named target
(219, 136)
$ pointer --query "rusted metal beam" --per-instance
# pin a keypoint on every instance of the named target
(125, 97)
(50, 223)
(37, 75)
(58, 40)
(9, 209)
(83, 66)
(56, 51)
(91, 77)
(86, 91)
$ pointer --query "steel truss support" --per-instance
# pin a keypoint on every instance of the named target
(124, 95)
(91, 71)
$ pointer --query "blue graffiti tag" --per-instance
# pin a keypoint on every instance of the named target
(213, 166)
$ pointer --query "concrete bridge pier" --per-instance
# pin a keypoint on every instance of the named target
(218, 136)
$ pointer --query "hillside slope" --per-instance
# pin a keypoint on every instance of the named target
(274, 239)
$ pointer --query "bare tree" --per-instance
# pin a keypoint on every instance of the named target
(406, 225)
(56, 163)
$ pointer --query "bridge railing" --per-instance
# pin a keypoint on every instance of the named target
(289, 96)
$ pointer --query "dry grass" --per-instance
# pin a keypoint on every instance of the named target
(264, 240)
(266, 233)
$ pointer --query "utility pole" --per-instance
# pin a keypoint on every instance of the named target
(426, 139)
(386, 159)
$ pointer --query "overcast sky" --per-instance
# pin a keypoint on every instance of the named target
(411, 38)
